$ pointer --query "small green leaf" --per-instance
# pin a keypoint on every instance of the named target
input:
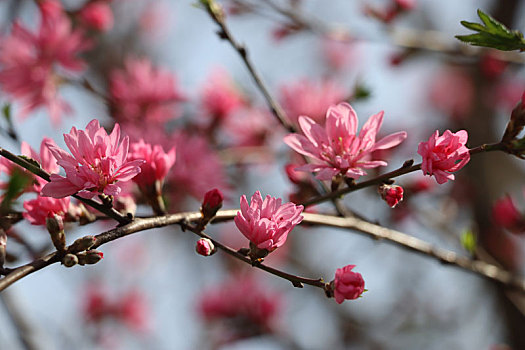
(361, 92)
(6, 111)
(469, 241)
(18, 182)
(492, 34)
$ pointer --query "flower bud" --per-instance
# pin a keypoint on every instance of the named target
(82, 244)
(97, 15)
(347, 285)
(205, 247)
(69, 260)
(55, 226)
(90, 257)
(391, 194)
(212, 203)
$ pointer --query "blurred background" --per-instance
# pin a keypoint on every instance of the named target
(190, 89)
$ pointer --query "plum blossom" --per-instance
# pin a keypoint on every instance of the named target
(97, 15)
(96, 163)
(452, 92)
(157, 162)
(347, 285)
(28, 61)
(267, 223)
(338, 147)
(220, 96)
(142, 92)
(40, 208)
(506, 215)
(444, 154)
(198, 167)
(241, 298)
(306, 97)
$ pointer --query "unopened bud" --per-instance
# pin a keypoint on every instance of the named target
(90, 257)
(205, 247)
(55, 226)
(211, 204)
(69, 260)
(83, 243)
(391, 194)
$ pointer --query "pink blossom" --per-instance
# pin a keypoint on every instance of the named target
(141, 92)
(338, 53)
(97, 163)
(220, 97)
(97, 15)
(198, 167)
(267, 223)
(452, 92)
(406, 5)
(38, 209)
(241, 298)
(28, 61)
(249, 127)
(348, 284)
(204, 247)
(132, 310)
(45, 158)
(338, 147)
(157, 162)
(505, 214)
(312, 99)
(444, 154)
(391, 194)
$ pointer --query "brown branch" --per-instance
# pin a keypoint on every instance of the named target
(406, 168)
(109, 211)
(374, 231)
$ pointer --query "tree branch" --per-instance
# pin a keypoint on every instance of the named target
(374, 231)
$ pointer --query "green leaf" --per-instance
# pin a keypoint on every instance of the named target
(6, 111)
(18, 182)
(492, 34)
(469, 241)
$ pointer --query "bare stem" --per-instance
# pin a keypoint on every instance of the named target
(405, 241)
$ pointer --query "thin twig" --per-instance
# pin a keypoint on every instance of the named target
(406, 168)
(374, 231)
(225, 33)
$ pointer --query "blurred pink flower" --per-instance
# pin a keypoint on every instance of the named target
(267, 223)
(220, 97)
(97, 15)
(452, 92)
(38, 209)
(250, 127)
(444, 154)
(132, 309)
(306, 97)
(338, 53)
(198, 167)
(391, 194)
(338, 146)
(157, 162)
(244, 300)
(142, 93)
(505, 214)
(97, 163)
(28, 61)
(45, 158)
(348, 285)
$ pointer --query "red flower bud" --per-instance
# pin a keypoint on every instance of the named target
(205, 247)
(212, 203)
(347, 284)
(392, 194)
